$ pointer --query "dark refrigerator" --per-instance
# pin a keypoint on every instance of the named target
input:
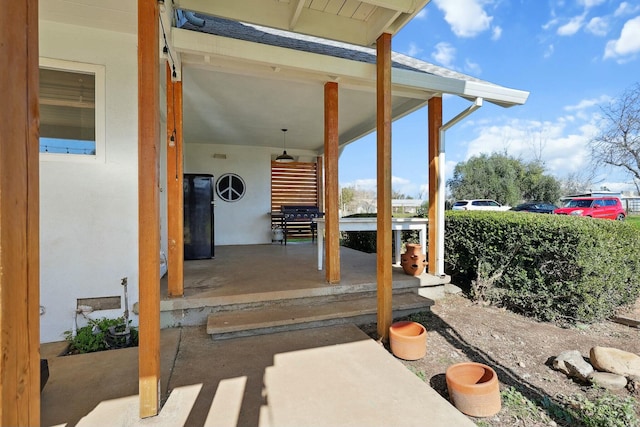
(198, 216)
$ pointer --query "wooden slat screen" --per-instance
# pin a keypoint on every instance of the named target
(294, 183)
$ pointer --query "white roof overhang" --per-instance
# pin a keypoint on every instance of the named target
(242, 93)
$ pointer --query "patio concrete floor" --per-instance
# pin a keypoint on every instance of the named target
(330, 376)
(245, 274)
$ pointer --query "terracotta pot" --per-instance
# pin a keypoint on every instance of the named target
(413, 260)
(474, 389)
(408, 340)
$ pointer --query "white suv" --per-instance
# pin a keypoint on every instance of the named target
(479, 205)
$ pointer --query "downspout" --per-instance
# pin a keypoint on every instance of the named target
(441, 184)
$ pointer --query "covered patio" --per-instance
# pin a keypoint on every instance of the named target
(135, 177)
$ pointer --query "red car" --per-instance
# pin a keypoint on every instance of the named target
(594, 207)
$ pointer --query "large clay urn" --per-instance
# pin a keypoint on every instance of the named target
(413, 260)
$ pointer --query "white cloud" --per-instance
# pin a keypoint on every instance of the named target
(496, 33)
(552, 23)
(587, 103)
(472, 68)
(626, 9)
(598, 26)
(369, 184)
(414, 50)
(628, 43)
(444, 54)
(571, 27)
(588, 4)
(561, 144)
(467, 18)
(549, 51)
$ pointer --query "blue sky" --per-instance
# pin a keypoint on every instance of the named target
(572, 56)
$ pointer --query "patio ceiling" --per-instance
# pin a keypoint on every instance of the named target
(230, 99)
(349, 21)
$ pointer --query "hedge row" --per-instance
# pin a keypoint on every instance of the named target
(551, 267)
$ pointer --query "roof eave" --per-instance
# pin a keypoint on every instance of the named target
(499, 95)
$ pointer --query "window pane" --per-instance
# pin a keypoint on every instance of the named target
(67, 112)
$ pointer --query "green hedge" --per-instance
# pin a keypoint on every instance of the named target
(551, 267)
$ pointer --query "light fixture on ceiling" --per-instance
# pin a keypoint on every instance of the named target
(284, 157)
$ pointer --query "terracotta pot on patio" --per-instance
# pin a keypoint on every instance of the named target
(408, 340)
(474, 389)
(413, 260)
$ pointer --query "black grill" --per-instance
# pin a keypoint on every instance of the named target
(302, 215)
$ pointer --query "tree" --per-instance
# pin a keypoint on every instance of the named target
(503, 178)
(618, 142)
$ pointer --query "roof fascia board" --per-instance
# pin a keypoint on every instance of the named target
(499, 95)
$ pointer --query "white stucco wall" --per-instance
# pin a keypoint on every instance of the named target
(246, 221)
(88, 210)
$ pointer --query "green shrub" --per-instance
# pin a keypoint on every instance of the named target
(551, 267)
(94, 336)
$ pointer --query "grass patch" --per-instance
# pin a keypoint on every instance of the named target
(634, 220)
(602, 410)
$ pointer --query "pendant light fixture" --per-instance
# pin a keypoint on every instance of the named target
(284, 157)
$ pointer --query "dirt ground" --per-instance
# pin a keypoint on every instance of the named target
(519, 349)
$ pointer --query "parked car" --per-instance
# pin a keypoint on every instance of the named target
(535, 207)
(594, 207)
(479, 205)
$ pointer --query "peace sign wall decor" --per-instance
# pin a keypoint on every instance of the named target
(230, 187)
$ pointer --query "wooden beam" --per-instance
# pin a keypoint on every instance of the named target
(383, 241)
(435, 123)
(331, 140)
(148, 208)
(19, 217)
(175, 192)
(320, 182)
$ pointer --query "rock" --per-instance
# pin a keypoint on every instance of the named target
(559, 362)
(616, 361)
(633, 385)
(579, 368)
(608, 380)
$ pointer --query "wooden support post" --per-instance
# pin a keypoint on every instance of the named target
(320, 182)
(331, 137)
(383, 241)
(175, 193)
(19, 216)
(435, 123)
(148, 208)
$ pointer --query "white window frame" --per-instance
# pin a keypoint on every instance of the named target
(100, 109)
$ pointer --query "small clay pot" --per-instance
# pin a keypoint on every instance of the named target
(413, 260)
(474, 389)
(408, 340)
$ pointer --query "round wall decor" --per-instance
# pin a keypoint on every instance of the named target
(230, 187)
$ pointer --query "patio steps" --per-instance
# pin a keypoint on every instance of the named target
(303, 313)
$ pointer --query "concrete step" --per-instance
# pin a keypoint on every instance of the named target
(309, 313)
